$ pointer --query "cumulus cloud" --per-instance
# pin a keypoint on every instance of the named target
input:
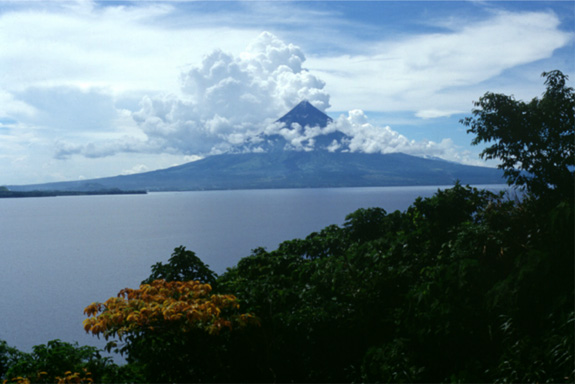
(74, 76)
(367, 138)
(229, 100)
(230, 104)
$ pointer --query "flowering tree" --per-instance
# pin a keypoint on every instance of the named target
(165, 324)
(183, 305)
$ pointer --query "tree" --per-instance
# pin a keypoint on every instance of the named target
(168, 327)
(183, 265)
(7, 357)
(60, 362)
(535, 141)
(187, 305)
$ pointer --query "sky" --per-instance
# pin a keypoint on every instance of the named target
(91, 89)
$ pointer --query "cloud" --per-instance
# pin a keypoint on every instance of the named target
(75, 75)
(229, 100)
(65, 149)
(74, 69)
(435, 113)
(88, 44)
(11, 106)
(136, 169)
(367, 138)
(71, 110)
(233, 101)
(229, 103)
(437, 71)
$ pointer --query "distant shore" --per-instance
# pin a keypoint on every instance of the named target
(4, 194)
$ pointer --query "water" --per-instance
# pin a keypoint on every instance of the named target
(59, 254)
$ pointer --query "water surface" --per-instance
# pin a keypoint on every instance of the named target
(59, 254)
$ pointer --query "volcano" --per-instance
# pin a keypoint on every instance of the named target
(312, 132)
(305, 114)
(319, 162)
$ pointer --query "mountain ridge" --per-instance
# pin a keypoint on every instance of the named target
(314, 165)
(291, 169)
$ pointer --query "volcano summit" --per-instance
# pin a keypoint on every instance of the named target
(305, 114)
(315, 157)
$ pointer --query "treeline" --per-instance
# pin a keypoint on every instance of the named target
(6, 193)
(464, 286)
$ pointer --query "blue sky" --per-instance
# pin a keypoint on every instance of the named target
(100, 88)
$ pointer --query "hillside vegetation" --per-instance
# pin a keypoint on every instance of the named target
(464, 286)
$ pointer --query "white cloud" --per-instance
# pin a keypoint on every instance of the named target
(226, 101)
(435, 71)
(229, 100)
(119, 47)
(368, 138)
(73, 75)
(95, 150)
(136, 169)
(435, 113)
(11, 106)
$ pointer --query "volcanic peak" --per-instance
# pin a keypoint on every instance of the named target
(305, 114)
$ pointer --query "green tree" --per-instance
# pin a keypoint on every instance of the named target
(59, 361)
(183, 265)
(8, 355)
(169, 328)
(535, 141)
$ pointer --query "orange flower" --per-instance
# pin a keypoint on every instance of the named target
(185, 304)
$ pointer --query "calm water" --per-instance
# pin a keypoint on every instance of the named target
(59, 254)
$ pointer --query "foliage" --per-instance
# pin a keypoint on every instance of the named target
(464, 286)
(183, 265)
(535, 141)
(185, 305)
(305, 299)
(8, 355)
(159, 321)
(423, 295)
(59, 362)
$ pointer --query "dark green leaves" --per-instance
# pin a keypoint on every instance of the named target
(183, 265)
(535, 141)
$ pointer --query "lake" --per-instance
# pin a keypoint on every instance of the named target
(59, 254)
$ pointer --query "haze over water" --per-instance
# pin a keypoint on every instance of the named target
(59, 254)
